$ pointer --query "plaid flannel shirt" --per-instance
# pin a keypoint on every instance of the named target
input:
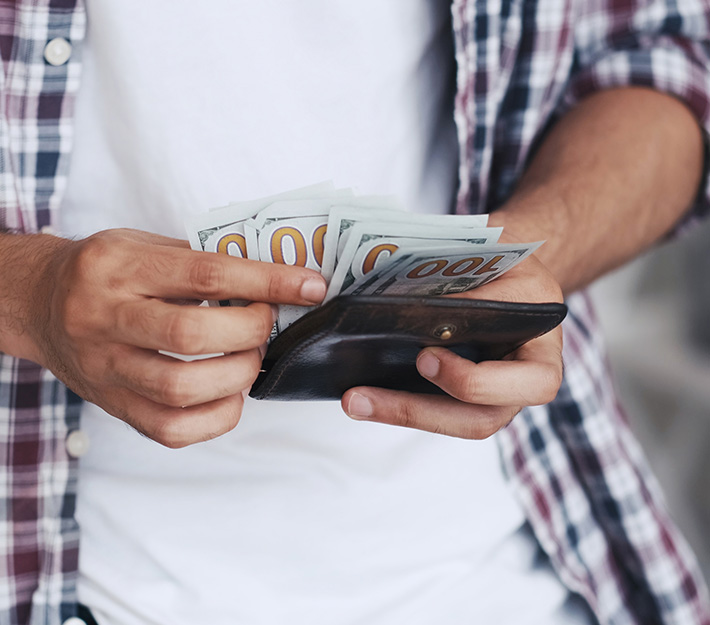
(573, 464)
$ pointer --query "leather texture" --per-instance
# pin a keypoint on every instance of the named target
(374, 341)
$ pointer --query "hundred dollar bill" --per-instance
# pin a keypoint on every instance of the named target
(289, 233)
(361, 244)
(432, 272)
(230, 240)
(298, 226)
(202, 228)
(293, 233)
(214, 229)
(343, 218)
(222, 230)
(371, 246)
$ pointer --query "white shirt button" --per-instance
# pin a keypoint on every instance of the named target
(47, 230)
(77, 444)
(74, 620)
(57, 51)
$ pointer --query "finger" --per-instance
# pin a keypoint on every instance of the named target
(177, 427)
(111, 261)
(170, 382)
(154, 324)
(430, 413)
(150, 237)
(532, 378)
(178, 273)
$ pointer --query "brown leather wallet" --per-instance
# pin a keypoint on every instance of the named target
(374, 341)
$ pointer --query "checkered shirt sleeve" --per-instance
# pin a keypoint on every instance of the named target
(38, 534)
(574, 464)
(589, 495)
(660, 45)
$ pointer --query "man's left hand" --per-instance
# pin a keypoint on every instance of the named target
(482, 397)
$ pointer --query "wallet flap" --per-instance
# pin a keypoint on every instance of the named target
(374, 341)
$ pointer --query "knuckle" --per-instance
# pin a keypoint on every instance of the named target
(547, 286)
(173, 434)
(229, 419)
(485, 423)
(485, 426)
(468, 387)
(470, 431)
(253, 369)
(550, 384)
(174, 443)
(169, 433)
(263, 324)
(274, 284)
(238, 366)
(405, 415)
(206, 277)
(183, 332)
(556, 377)
(91, 256)
(485, 430)
(474, 427)
(552, 291)
(244, 369)
(438, 428)
(131, 320)
(174, 389)
(152, 262)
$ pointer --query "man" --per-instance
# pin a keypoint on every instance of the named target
(579, 123)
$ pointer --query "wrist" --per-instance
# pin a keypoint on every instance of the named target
(537, 214)
(29, 267)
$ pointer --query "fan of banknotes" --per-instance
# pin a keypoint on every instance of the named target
(362, 245)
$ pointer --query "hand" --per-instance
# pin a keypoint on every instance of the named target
(484, 397)
(107, 304)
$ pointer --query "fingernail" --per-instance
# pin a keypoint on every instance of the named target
(274, 312)
(262, 350)
(428, 365)
(359, 407)
(313, 290)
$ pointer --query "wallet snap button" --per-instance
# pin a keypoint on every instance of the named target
(445, 332)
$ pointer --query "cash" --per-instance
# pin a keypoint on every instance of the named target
(362, 245)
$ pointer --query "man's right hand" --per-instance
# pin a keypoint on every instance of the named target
(96, 311)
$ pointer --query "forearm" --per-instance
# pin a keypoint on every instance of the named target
(613, 176)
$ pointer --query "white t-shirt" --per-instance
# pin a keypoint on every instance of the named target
(300, 515)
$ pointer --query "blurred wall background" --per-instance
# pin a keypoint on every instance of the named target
(656, 316)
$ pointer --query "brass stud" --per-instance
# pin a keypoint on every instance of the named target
(444, 332)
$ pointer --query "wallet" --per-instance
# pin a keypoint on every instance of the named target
(374, 341)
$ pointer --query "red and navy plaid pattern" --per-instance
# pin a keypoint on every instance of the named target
(39, 538)
(573, 464)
